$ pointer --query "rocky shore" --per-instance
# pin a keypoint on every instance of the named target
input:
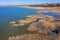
(44, 27)
(33, 18)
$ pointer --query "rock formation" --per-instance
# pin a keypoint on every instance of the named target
(42, 26)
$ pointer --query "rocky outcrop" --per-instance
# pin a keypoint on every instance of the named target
(39, 34)
(32, 18)
(42, 26)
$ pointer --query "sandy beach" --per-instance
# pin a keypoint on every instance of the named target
(49, 9)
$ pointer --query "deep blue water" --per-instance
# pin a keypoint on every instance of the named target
(8, 14)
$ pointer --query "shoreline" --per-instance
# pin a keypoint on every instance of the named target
(49, 9)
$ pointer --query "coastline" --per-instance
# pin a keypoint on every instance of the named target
(38, 24)
(49, 9)
(33, 17)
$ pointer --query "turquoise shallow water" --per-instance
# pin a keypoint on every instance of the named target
(8, 14)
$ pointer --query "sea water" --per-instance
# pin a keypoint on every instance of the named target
(8, 14)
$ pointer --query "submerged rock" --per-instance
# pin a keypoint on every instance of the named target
(46, 35)
(11, 38)
(13, 23)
